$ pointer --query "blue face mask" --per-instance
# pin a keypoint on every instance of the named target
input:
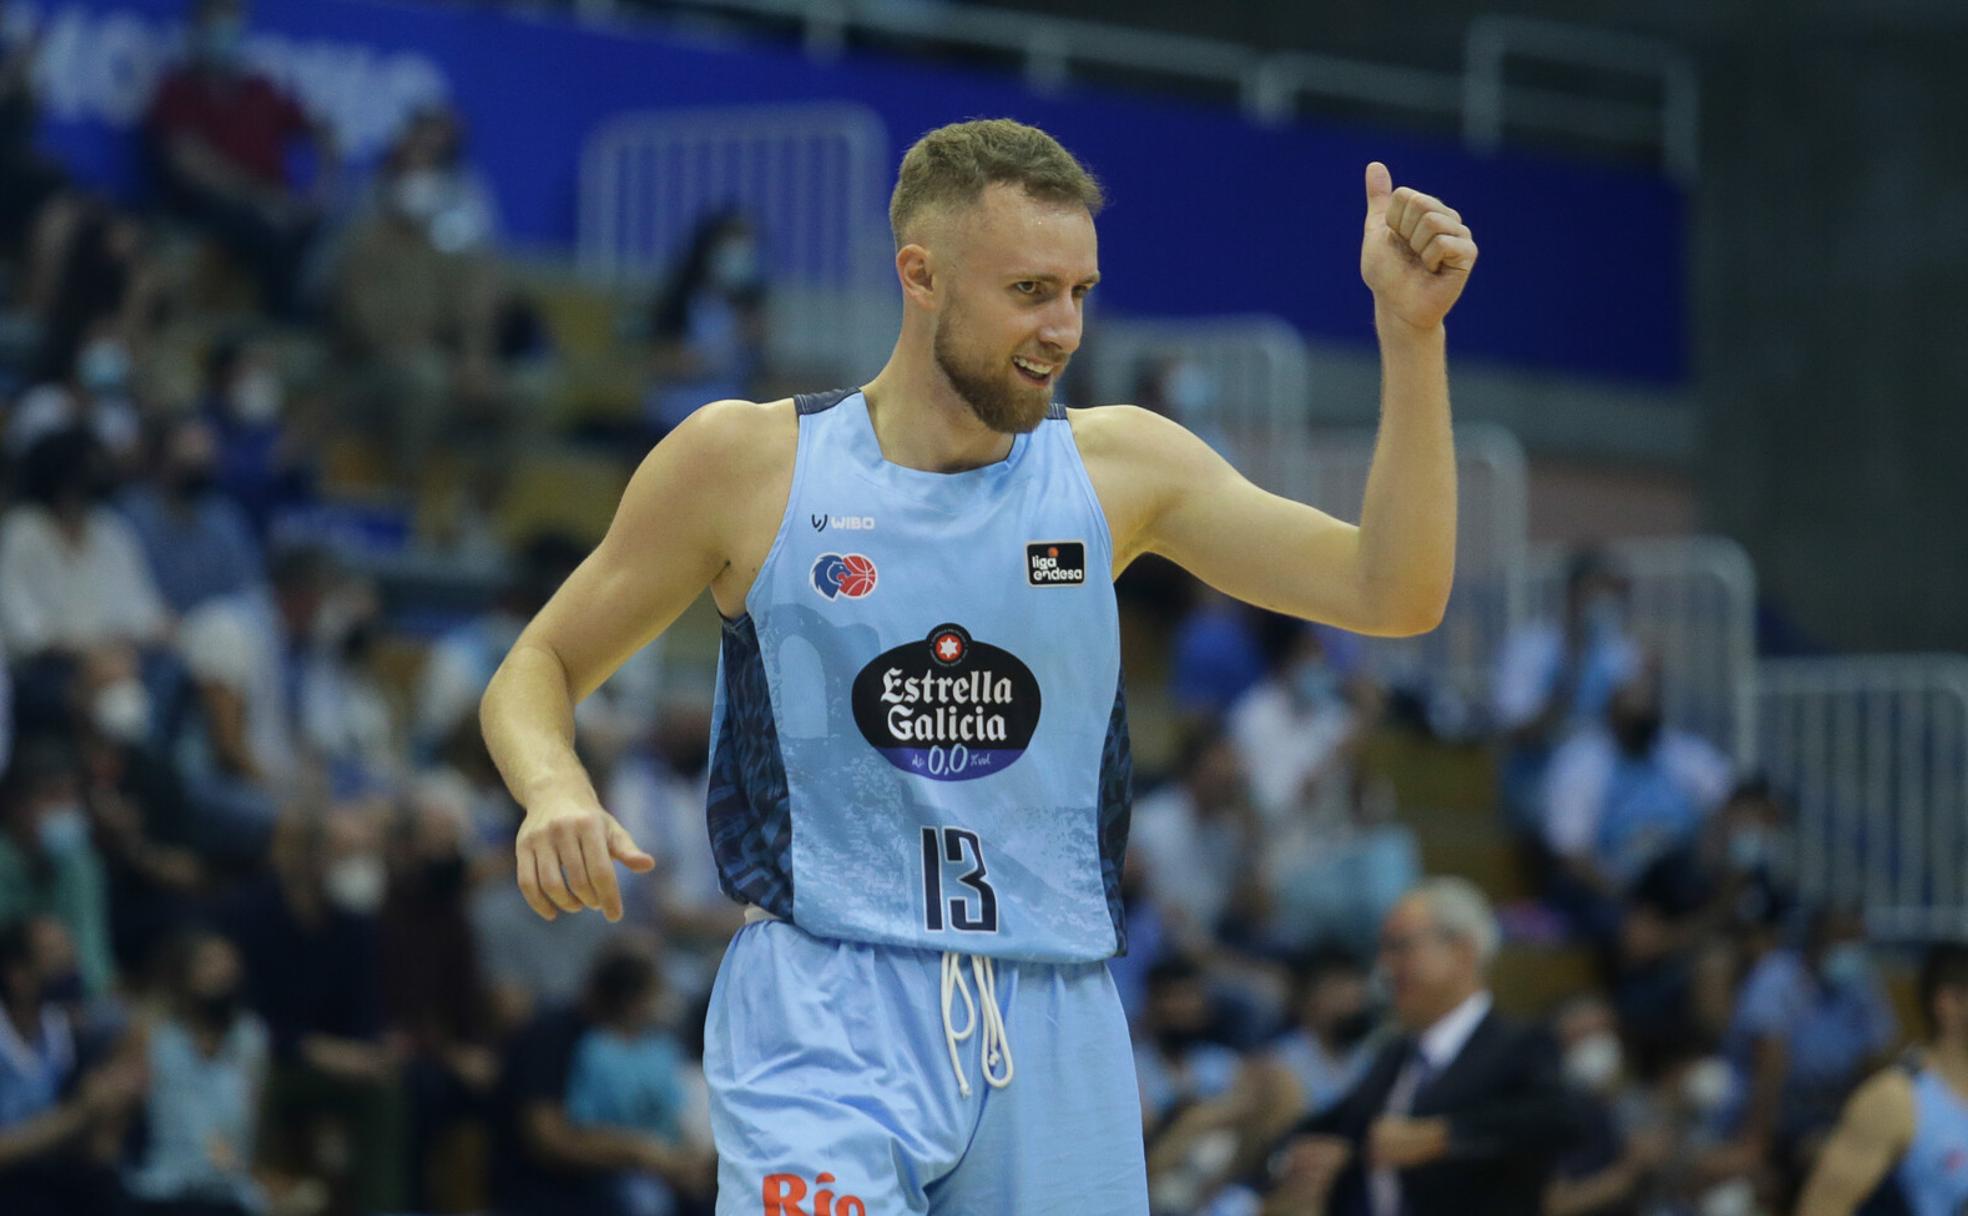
(63, 830)
(219, 40)
(1749, 849)
(1315, 683)
(1845, 965)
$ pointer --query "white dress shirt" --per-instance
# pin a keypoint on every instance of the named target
(1439, 1045)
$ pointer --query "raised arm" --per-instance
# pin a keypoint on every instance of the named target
(1872, 1134)
(1388, 576)
(665, 545)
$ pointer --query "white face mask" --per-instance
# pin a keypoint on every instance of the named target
(63, 830)
(1708, 1085)
(257, 396)
(122, 711)
(356, 884)
(1593, 1063)
(104, 366)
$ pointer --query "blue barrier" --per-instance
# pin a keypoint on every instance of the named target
(1583, 267)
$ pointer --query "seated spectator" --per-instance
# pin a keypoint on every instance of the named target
(1216, 655)
(330, 1059)
(198, 543)
(1297, 730)
(1810, 1022)
(89, 390)
(220, 135)
(1622, 799)
(417, 297)
(433, 990)
(1748, 856)
(1199, 837)
(71, 573)
(1464, 1113)
(709, 323)
(1553, 677)
(1176, 1061)
(589, 1104)
(265, 464)
(207, 1065)
(48, 866)
(348, 720)
(61, 1117)
(1620, 1144)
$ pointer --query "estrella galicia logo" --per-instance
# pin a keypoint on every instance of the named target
(848, 574)
(1055, 563)
(949, 707)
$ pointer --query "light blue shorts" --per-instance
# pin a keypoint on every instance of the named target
(833, 1091)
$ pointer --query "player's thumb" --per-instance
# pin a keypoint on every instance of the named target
(624, 850)
(1380, 189)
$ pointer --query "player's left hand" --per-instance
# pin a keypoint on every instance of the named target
(1416, 253)
(1398, 1143)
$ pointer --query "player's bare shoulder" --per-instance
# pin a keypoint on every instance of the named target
(738, 457)
(1135, 458)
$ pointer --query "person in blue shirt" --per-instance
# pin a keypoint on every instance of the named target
(1904, 1134)
(920, 762)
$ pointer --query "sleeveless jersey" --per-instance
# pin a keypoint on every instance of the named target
(919, 736)
(1933, 1174)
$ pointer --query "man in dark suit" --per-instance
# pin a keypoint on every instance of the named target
(1463, 1113)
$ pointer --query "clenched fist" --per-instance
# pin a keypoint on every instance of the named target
(1416, 253)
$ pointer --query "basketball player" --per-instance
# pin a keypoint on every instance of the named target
(919, 757)
(1907, 1126)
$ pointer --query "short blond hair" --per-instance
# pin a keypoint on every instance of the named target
(952, 165)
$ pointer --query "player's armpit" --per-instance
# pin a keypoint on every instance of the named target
(668, 540)
(1168, 492)
(1874, 1131)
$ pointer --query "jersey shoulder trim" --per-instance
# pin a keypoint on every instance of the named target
(817, 403)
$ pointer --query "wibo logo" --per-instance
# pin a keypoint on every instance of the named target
(844, 523)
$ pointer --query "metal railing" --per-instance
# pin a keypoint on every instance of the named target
(810, 177)
(1694, 605)
(1875, 752)
(1271, 84)
(1254, 373)
(1492, 510)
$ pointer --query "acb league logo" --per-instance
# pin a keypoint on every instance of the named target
(843, 574)
(947, 707)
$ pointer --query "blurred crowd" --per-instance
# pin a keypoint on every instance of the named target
(260, 945)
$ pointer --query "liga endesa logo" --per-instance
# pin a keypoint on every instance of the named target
(784, 1192)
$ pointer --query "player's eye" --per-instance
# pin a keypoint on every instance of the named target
(1026, 287)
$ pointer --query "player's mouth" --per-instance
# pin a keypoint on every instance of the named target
(1033, 370)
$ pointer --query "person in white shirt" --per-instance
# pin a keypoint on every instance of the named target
(72, 575)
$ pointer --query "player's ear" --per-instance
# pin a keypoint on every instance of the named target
(916, 269)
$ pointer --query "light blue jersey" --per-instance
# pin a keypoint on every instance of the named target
(919, 737)
(1933, 1174)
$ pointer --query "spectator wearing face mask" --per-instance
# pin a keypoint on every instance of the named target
(220, 136)
(265, 462)
(48, 864)
(1554, 677)
(1622, 799)
(92, 392)
(197, 542)
(207, 1063)
(709, 325)
(72, 574)
(62, 1115)
(1620, 1143)
(416, 300)
(330, 1058)
(1810, 1022)
(1177, 1060)
(1200, 838)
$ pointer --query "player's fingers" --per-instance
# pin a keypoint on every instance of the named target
(1413, 205)
(1430, 225)
(599, 869)
(570, 841)
(1380, 190)
(1397, 210)
(547, 861)
(1450, 253)
(623, 848)
(529, 883)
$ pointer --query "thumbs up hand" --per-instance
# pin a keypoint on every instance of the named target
(1415, 254)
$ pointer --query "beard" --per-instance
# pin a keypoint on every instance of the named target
(999, 404)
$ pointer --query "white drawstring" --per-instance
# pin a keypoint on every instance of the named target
(996, 1044)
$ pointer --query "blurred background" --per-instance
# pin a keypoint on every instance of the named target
(330, 332)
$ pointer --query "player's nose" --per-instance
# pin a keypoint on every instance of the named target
(1060, 328)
